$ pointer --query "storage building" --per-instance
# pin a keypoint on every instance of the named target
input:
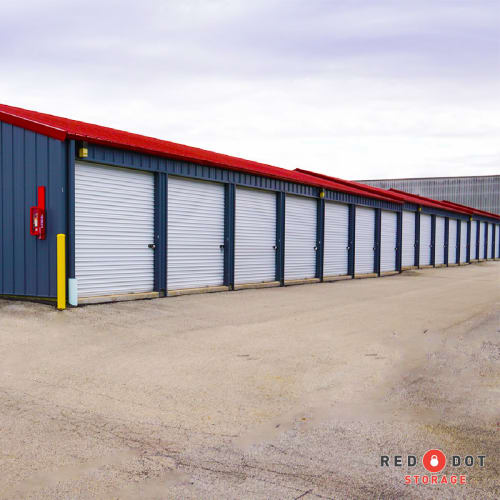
(108, 215)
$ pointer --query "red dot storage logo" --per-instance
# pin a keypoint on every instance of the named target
(434, 460)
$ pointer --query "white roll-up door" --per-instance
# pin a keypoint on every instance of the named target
(114, 224)
(336, 239)
(463, 241)
(473, 240)
(497, 240)
(425, 239)
(388, 241)
(452, 241)
(364, 253)
(300, 237)
(195, 252)
(408, 256)
(439, 241)
(255, 236)
(481, 240)
(490, 241)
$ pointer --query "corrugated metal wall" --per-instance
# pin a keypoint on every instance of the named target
(482, 192)
(28, 160)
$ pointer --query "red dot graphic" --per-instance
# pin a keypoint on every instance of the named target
(434, 460)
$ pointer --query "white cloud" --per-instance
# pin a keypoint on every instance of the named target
(357, 89)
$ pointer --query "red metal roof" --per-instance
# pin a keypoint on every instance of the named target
(374, 191)
(472, 210)
(428, 202)
(64, 128)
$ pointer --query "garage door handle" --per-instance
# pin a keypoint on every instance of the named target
(152, 246)
(275, 247)
(221, 247)
(315, 249)
(347, 248)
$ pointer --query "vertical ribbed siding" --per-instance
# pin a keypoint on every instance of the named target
(408, 257)
(482, 192)
(388, 242)
(439, 241)
(364, 257)
(463, 241)
(425, 239)
(28, 266)
(452, 241)
(336, 239)
(114, 224)
(195, 257)
(255, 236)
(300, 237)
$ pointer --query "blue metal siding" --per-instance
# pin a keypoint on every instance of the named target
(131, 159)
(28, 160)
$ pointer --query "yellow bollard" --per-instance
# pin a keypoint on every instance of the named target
(61, 271)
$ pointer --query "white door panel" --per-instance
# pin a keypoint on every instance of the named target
(481, 240)
(473, 240)
(336, 239)
(364, 253)
(300, 237)
(439, 240)
(195, 234)
(490, 241)
(463, 241)
(425, 239)
(452, 241)
(114, 224)
(408, 256)
(388, 241)
(255, 236)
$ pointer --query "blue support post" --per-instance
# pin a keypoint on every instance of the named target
(320, 238)
(469, 224)
(493, 235)
(485, 240)
(399, 242)
(478, 233)
(376, 243)
(417, 239)
(280, 238)
(351, 255)
(229, 218)
(459, 232)
(446, 239)
(433, 240)
(161, 232)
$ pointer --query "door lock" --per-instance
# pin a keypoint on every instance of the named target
(275, 247)
(152, 246)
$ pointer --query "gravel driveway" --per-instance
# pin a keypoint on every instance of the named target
(286, 393)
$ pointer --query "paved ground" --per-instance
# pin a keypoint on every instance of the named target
(275, 393)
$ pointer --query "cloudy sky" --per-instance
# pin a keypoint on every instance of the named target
(359, 89)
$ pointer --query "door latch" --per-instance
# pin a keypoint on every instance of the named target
(152, 246)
